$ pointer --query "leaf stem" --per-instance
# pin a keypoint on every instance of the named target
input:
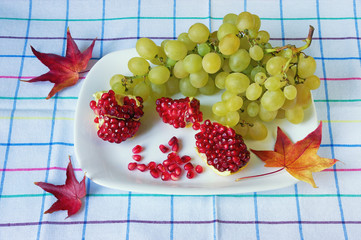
(260, 175)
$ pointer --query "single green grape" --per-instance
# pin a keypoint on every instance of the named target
(290, 92)
(192, 63)
(254, 91)
(211, 62)
(232, 118)
(258, 131)
(158, 90)
(275, 65)
(237, 83)
(143, 90)
(203, 49)
(256, 53)
(234, 103)
(239, 61)
(306, 66)
(179, 71)
(230, 18)
(312, 82)
(229, 44)
(198, 33)
(272, 100)
(253, 109)
(209, 88)
(189, 43)
(175, 49)
(172, 85)
(220, 80)
(303, 95)
(159, 75)
(245, 20)
(256, 70)
(263, 37)
(198, 79)
(186, 88)
(138, 66)
(225, 29)
(260, 78)
(273, 83)
(265, 115)
(220, 108)
(295, 115)
(146, 48)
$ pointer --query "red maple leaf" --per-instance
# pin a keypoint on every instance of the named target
(64, 71)
(69, 195)
(299, 159)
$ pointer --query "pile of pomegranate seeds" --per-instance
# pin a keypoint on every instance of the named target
(224, 149)
(117, 117)
(179, 112)
(171, 168)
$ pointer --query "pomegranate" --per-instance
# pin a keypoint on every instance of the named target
(179, 112)
(221, 148)
(117, 116)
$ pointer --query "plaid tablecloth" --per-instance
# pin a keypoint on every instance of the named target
(36, 135)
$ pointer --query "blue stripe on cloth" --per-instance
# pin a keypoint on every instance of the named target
(256, 215)
(6, 158)
(210, 15)
(298, 212)
(215, 217)
(282, 23)
(138, 19)
(128, 215)
(356, 28)
(245, 5)
(329, 122)
(37, 144)
(174, 19)
(53, 125)
(171, 231)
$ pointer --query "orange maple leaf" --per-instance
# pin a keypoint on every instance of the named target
(300, 159)
(64, 71)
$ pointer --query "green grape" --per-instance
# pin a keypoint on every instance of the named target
(198, 79)
(234, 103)
(260, 78)
(237, 83)
(162, 44)
(263, 37)
(281, 113)
(303, 95)
(211, 62)
(138, 66)
(158, 90)
(254, 91)
(175, 49)
(159, 75)
(241, 129)
(192, 63)
(256, 70)
(203, 49)
(272, 100)
(252, 33)
(273, 83)
(172, 85)
(146, 48)
(232, 118)
(248, 70)
(170, 62)
(198, 33)
(160, 58)
(229, 44)
(257, 22)
(275, 65)
(225, 66)
(209, 88)
(295, 115)
(189, 43)
(115, 79)
(245, 20)
(118, 88)
(179, 71)
(225, 29)
(143, 90)
(230, 18)
(291, 76)
(256, 53)
(186, 87)
(288, 104)
(219, 108)
(239, 61)
(290, 92)
(226, 95)
(287, 53)
(306, 66)
(265, 115)
(258, 131)
(253, 109)
(312, 82)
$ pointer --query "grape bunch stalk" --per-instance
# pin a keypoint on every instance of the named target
(259, 82)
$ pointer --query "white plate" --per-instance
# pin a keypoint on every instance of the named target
(106, 163)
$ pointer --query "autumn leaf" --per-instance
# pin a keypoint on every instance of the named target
(64, 71)
(300, 159)
(69, 195)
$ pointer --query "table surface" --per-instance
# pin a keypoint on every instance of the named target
(36, 135)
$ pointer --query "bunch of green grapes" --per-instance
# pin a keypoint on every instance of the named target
(259, 82)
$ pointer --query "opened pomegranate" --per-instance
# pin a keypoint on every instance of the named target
(179, 112)
(221, 148)
(117, 116)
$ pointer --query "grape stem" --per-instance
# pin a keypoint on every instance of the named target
(260, 175)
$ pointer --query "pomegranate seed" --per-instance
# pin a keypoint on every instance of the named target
(185, 159)
(199, 169)
(172, 167)
(167, 162)
(154, 173)
(188, 166)
(142, 167)
(174, 176)
(178, 171)
(172, 141)
(132, 166)
(137, 157)
(165, 176)
(137, 149)
(163, 148)
(152, 165)
(190, 174)
(175, 147)
(161, 168)
(196, 126)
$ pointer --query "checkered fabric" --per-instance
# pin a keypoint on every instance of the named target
(36, 135)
